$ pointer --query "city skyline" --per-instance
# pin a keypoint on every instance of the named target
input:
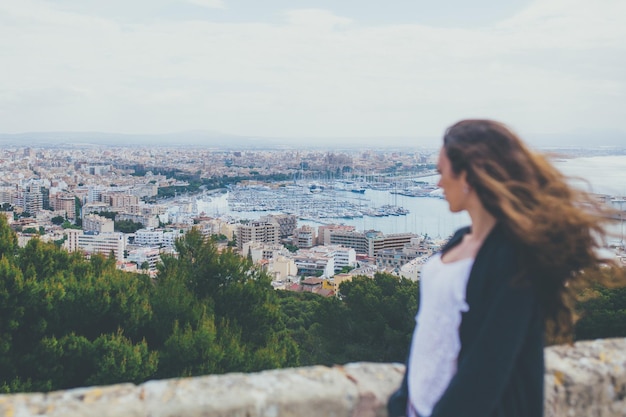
(318, 71)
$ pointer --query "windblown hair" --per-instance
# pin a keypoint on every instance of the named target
(557, 229)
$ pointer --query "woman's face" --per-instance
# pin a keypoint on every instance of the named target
(455, 187)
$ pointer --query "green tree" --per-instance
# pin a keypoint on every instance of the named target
(380, 317)
(603, 314)
(191, 350)
(107, 214)
(241, 298)
(121, 360)
(58, 220)
(127, 226)
(8, 239)
(67, 225)
(78, 206)
(66, 321)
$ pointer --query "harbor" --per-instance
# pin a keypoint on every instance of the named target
(371, 210)
(301, 201)
(400, 205)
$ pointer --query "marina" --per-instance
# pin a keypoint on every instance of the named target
(419, 215)
(412, 205)
(309, 202)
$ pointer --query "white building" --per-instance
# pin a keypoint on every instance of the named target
(282, 267)
(156, 237)
(145, 190)
(285, 223)
(413, 269)
(170, 237)
(141, 255)
(304, 237)
(149, 237)
(95, 223)
(94, 193)
(92, 242)
(95, 208)
(64, 202)
(6, 194)
(311, 262)
(259, 251)
(258, 232)
(32, 198)
(344, 257)
(146, 221)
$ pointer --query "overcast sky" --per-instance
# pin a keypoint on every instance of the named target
(299, 68)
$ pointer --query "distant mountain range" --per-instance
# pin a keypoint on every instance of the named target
(191, 138)
(219, 140)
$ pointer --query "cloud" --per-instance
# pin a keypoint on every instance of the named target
(568, 24)
(557, 64)
(315, 17)
(210, 4)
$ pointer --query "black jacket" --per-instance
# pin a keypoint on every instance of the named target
(500, 368)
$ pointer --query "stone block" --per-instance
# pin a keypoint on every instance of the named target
(299, 392)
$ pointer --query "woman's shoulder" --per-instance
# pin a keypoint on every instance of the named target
(499, 256)
(498, 246)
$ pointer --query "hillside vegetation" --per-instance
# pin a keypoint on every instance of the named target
(67, 322)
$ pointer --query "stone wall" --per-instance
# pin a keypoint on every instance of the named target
(587, 379)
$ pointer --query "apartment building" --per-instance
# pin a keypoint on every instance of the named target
(94, 193)
(413, 269)
(379, 242)
(149, 237)
(211, 227)
(95, 207)
(151, 256)
(156, 237)
(321, 263)
(304, 237)
(282, 267)
(145, 190)
(6, 195)
(64, 202)
(170, 237)
(336, 281)
(30, 198)
(258, 232)
(99, 224)
(120, 200)
(344, 257)
(286, 223)
(324, 231)
(358, 241)
(146, 221)
(92, 242)
(258, 250)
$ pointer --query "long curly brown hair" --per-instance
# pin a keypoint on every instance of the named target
(557, 229)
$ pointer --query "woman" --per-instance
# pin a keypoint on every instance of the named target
(485, 300)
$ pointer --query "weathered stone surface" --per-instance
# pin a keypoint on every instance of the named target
(375, 383)
(584, 380)
(110, 401)
(292, 392)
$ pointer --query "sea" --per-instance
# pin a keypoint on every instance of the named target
(430, 215)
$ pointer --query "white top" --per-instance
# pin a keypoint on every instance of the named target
(436, 343)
